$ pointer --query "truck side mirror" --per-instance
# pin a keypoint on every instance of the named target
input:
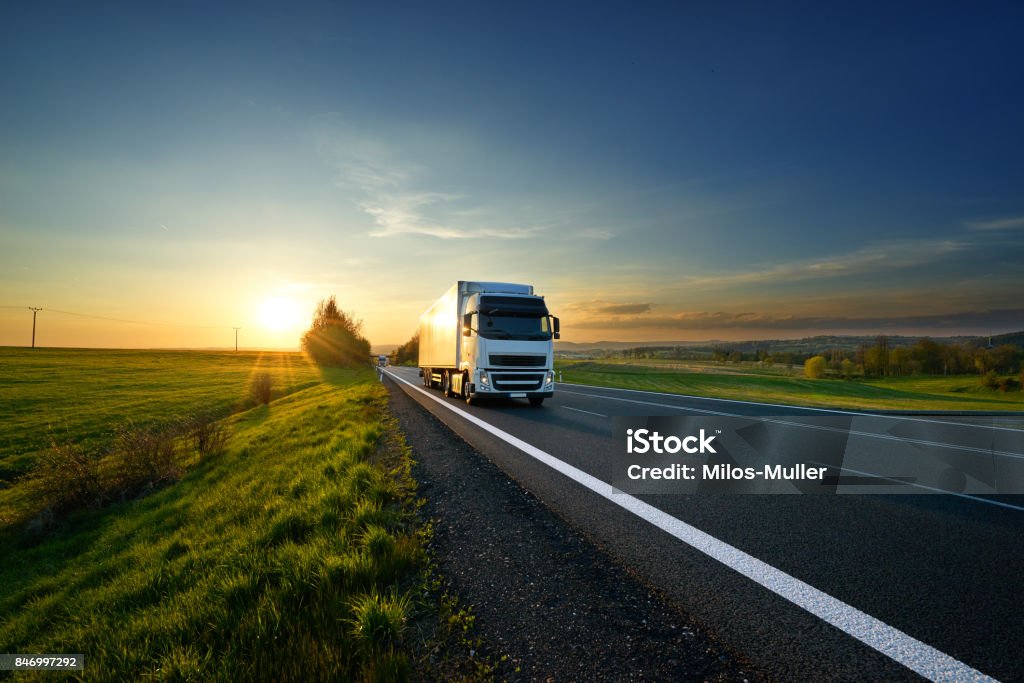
(556, 335)
(467, 325)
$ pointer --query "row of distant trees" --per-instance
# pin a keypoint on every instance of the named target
(408, 353)
(881, 359)
(925, 357)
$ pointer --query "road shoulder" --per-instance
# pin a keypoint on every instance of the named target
(547, 603)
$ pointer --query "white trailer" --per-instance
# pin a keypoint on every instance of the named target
(489, 340)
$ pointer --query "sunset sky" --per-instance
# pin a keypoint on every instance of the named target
(683, 171)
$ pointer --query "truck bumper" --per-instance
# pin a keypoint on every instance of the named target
(513, 394)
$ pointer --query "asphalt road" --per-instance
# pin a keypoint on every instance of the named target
(808, 587)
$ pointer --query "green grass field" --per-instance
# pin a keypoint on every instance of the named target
(748, 382)
(86, 392)
(288, 556)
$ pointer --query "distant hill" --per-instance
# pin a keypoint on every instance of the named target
(1012, 338)
(806, 344)
(614, 345)
(378, 349)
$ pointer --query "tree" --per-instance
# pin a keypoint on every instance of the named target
(983, 361)
(335, 337)
(1004, 358)
(882, 349)
(408, 353)
(931, 356)
(814, 367)
(900, 361)
(848, 368)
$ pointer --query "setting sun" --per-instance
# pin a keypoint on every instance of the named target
(279, 314)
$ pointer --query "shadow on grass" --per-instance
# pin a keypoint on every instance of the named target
(347, 377)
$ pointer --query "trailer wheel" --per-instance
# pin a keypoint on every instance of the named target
(535, 401)
(425, 374)
(446, 384)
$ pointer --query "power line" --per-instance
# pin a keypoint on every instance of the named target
(35, 311)
(121, 319)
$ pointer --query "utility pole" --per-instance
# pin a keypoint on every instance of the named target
(236, 329)
(34, 312)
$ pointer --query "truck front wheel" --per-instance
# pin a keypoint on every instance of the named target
(467, 389)
(535, 401)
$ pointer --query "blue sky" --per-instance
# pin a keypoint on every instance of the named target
(672, 172)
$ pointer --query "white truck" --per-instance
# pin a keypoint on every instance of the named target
(489, 340)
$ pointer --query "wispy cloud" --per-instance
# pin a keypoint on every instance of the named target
(595, 234)
(625, 309)
(596, 307)
(410, 214)
(399, 197)
(1007, 223)
(877, 257)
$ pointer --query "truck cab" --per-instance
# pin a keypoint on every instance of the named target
(506, 346)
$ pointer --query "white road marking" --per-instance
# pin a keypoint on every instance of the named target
(917, 656)
(579, 410)
(779, 405)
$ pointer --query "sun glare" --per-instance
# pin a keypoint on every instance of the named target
(279, 314)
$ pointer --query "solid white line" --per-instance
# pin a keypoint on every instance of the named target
(578, 410)
(919, 657)
(780, 405)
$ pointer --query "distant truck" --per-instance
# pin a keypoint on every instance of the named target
(489, 340)
(382, 361)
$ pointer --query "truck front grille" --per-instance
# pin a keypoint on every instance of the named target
(516, 382)
(508, 361)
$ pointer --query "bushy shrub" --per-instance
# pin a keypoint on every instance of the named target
(990, 379)
(1008, 384)
(206, 434)
(66, 476)
(814, 367)
(145, 457)
(260, 387)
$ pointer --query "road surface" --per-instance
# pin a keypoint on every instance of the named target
(808, 587)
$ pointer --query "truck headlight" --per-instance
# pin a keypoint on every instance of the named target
(485, 381)
(550, 377)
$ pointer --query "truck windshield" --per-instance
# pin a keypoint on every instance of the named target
(497, 325)
(508, 317)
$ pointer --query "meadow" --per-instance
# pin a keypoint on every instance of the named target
(788, 386)
(48, 394)
(289, 555)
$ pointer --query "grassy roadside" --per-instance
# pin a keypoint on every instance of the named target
(291, 555)
(748, 383)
